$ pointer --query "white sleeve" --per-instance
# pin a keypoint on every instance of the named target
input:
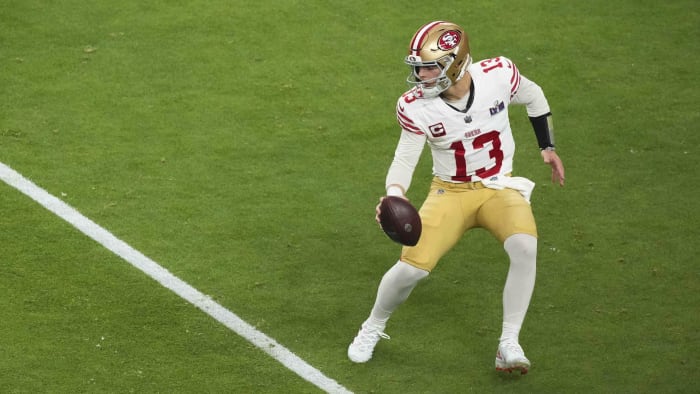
(408, 152)
(530, 94)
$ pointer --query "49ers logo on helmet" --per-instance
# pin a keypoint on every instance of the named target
(448, 40)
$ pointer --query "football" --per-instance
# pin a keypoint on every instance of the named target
(400, 220)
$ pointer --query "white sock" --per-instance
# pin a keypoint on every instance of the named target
(395, 287)
(522, 251)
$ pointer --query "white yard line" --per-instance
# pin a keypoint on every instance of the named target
(170, 281)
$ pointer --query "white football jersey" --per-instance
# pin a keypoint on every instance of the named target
(466, 145)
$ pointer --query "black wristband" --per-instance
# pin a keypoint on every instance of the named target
(544, 131)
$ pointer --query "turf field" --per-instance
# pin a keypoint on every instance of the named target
(243, 146)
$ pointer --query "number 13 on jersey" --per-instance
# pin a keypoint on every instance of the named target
(463, 154)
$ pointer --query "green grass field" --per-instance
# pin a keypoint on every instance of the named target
(243, 146)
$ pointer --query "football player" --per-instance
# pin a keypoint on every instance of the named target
(460, 108)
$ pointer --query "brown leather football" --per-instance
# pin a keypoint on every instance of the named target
(400, 220)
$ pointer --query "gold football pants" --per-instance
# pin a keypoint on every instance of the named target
(451, 209)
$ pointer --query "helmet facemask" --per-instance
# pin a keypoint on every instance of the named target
(429, 88)
(440, 44)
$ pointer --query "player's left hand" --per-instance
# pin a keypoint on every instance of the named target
(550, 157)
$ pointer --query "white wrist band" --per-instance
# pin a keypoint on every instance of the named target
(394, 190)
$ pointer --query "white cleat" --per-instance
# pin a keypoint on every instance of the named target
(361, 348)
(511, 357)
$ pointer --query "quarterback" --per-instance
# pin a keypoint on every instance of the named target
(459, 107)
